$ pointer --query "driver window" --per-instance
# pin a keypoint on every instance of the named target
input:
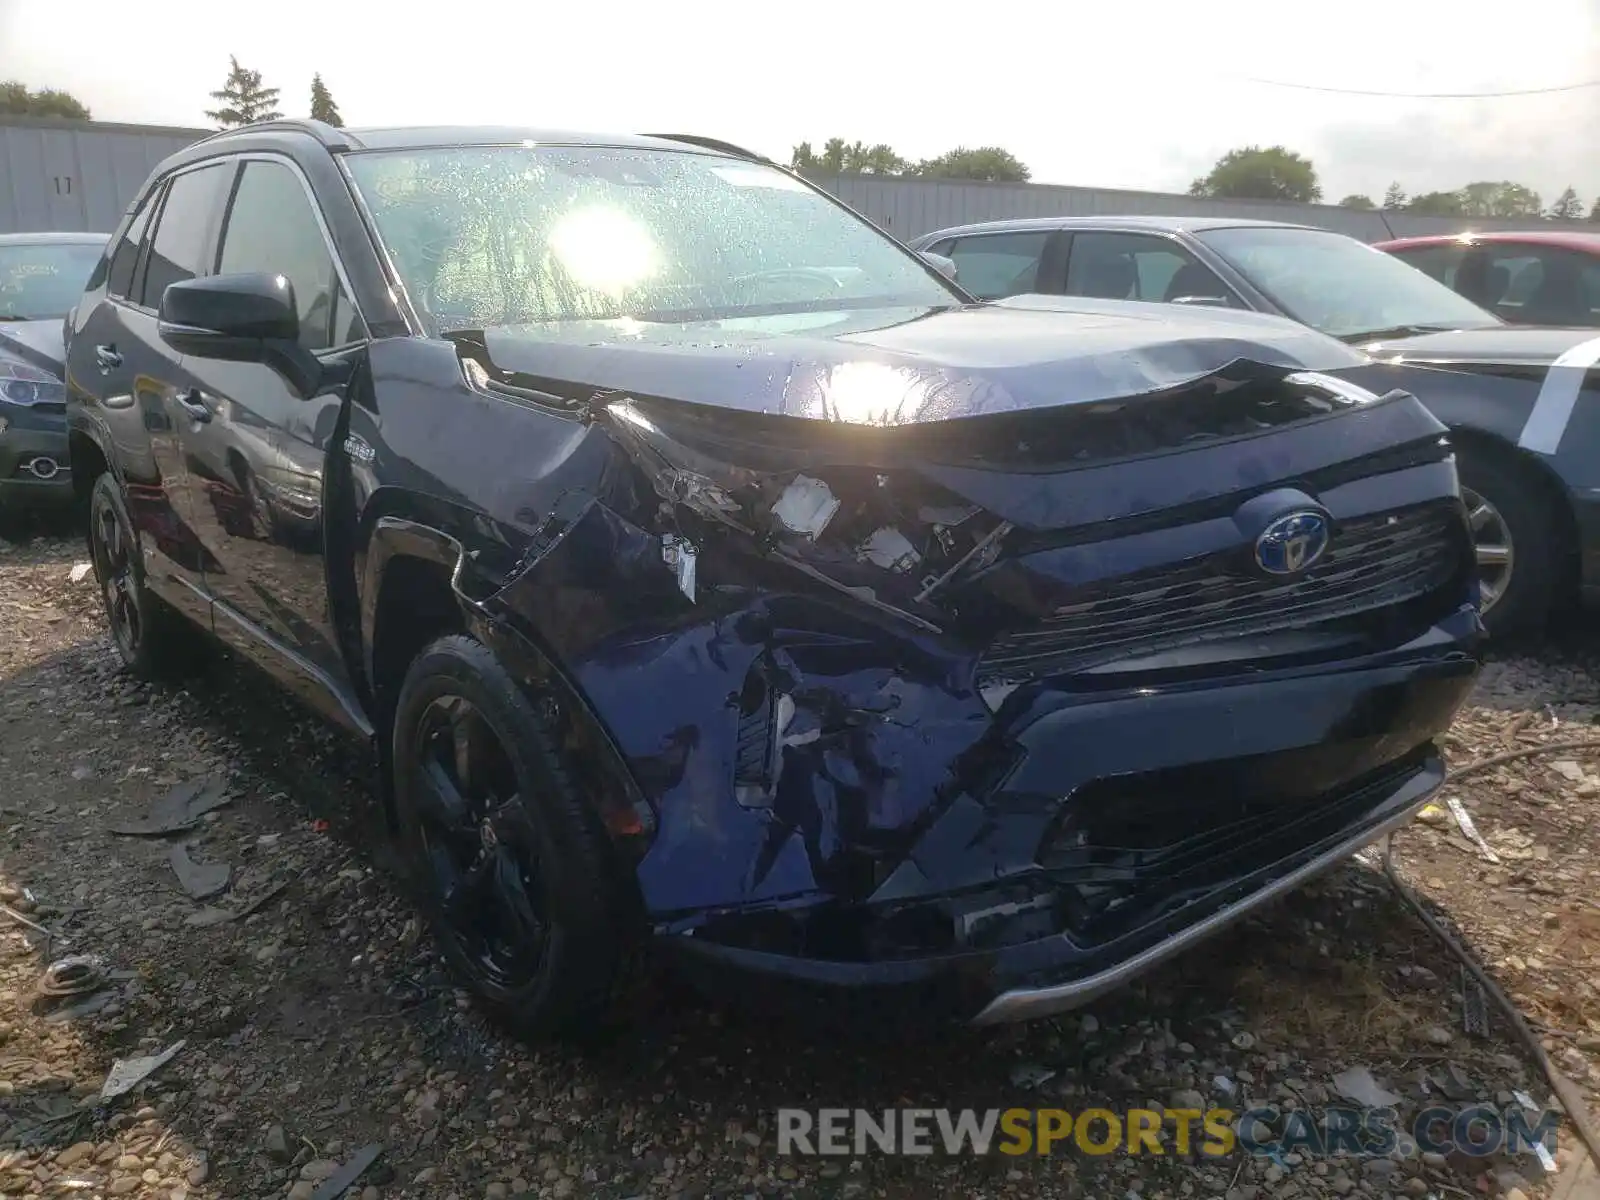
(272, 228)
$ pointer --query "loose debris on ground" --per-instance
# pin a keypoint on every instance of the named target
(198, 899)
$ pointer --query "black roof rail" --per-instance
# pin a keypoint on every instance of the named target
(694, 139)
(332, 138)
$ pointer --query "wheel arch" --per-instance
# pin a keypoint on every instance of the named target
(88, 460)
(1535, 467)
(412, 592)
(1567, 565)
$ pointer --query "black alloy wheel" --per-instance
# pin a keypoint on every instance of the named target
(480, 848)
(152, 640)
(1517, 539)
(112, 549)
(510, 863)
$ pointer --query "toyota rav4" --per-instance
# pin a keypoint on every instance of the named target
(712, 574)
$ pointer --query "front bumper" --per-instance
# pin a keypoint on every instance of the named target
(1127, 828)
(34, 468)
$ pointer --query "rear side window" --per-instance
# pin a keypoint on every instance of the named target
(183, 230)
(271, 227)
(119, 282)
(993, 265)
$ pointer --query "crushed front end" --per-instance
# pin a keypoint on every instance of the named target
(1006, 709)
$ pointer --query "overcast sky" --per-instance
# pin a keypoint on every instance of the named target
(1137, 94)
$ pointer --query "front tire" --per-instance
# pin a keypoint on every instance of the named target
(1517, 535)
(511, 866)
(152, 640)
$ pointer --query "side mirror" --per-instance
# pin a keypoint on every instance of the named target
(240, 318)
(945, 266)
(1207, 301)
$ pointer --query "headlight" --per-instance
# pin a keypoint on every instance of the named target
(27, 386)
(819, 500)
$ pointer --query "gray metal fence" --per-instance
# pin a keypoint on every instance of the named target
(76, 175)
(80, 175)
(908, 207)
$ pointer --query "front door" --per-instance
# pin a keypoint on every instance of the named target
(256, 486)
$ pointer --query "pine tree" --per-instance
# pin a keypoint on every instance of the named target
(1395, 197)
(1567, 207)
(242, 100)
(322, 106)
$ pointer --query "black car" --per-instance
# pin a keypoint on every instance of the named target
(1526, 425)
(709, 573)
(41, 277)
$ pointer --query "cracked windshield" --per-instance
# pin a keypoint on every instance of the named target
(507, 236)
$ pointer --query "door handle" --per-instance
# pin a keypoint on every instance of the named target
(191, 404)
(107, 357)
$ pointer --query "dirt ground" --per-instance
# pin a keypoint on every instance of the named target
(315, 1019)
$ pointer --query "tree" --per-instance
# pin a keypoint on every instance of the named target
(322, 106)
(17, 101)
(839, 157)
(1395, 197)
(1502, 198)
(1567, 207)
(1594, 213)
(1357, 200)
(1436, 204)
(242, 100)
(991, 163)
(1256, 173)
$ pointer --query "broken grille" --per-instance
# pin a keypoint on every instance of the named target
(1373, 563)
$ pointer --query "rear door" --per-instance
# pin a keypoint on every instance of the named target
(130, 380)
(258, 494)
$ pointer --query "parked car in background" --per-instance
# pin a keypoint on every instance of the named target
(41, 277)
(1542, 277)
(708, 571)
(1522, 404)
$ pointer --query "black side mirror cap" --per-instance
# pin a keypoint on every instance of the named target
(240, 318)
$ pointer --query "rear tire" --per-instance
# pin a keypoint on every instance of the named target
(511, 867)
(153, 641)
(1517, 532)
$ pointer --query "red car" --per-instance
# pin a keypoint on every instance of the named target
(1549, 277)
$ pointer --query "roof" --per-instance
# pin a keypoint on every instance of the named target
(1152, 223)
(1570, 239)
(53, 239)
(402, 137)
(412, 137)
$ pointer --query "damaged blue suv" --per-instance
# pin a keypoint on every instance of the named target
(711, 574)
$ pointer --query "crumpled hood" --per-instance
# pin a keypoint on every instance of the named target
(910, 366)
(1520, 345)
(41, 343)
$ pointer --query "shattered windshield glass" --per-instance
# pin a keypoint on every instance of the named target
(486, 236)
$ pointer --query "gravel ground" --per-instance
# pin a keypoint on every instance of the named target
(315, 1018)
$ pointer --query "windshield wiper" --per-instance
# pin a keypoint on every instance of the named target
(1394, 331)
